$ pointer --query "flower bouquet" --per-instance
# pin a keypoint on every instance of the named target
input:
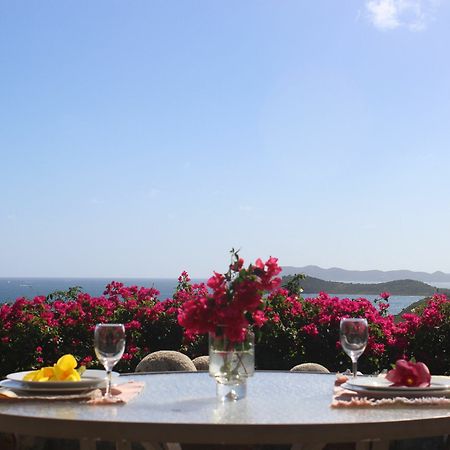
(230, 308)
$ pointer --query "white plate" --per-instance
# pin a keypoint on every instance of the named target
(18, 387)
(438, 383)
(89, 380)
(393, 392)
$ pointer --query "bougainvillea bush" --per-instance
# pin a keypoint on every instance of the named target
(36, 332)
(292, 329)
(309, 329)
(425, 333)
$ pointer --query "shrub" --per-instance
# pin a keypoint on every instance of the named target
(37, 332)
(427, 332)
(301, 330)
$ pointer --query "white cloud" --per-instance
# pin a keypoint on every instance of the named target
(414, 15)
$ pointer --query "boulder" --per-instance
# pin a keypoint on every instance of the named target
(201, 362)
(310, 367)
(166, 361)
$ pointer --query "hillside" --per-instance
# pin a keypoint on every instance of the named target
(365, 276)
(399, 287)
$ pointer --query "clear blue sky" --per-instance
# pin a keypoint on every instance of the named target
(141, 138)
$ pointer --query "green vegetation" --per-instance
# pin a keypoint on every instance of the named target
(35, 333)
(398, 287)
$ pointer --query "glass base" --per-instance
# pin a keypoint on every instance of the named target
(231, 392)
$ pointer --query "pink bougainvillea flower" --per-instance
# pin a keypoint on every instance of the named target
(259, 318)
(385, 295)
(410, 374)
(235, 299)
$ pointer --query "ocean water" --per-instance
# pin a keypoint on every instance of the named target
(12, 288)
(396, 302)
(443, 285)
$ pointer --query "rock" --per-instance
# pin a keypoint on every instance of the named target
(166, 361)
(201, 362)
(310, 367)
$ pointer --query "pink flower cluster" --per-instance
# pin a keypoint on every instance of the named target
(234, 301)
(38, 331)
(311, 325)
(290, 329)
(307, 329)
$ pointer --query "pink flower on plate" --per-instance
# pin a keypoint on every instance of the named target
(410, 374)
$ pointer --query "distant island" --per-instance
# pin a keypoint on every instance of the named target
(367, 276)
(398, 287)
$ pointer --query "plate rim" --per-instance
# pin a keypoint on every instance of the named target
(436, 386)
(88, 380)
(397, 393)
(17, 386)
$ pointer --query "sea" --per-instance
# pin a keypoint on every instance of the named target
(13, 288)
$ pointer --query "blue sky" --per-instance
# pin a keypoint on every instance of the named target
(144, 138)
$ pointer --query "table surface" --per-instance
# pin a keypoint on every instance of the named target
(280, 407)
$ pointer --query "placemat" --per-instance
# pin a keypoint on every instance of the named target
(346, 398)
(122, 393)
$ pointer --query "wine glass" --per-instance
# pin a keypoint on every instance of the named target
(354, 335)
(109, 344)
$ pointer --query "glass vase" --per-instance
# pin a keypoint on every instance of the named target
(231, 363)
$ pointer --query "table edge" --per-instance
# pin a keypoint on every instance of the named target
(224, 433)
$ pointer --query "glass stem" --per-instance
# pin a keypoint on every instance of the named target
(355, 367)
(108, 384)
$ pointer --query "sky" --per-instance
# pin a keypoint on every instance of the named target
(143, 138)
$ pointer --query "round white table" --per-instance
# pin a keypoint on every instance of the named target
(280, 408)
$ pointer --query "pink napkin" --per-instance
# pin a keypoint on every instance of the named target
(345, 398)
(122, 393)
(10, 395)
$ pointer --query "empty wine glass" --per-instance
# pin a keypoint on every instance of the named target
(354, 335)
(109, 344)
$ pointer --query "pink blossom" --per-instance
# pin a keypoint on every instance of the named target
(311, 329)
(259, 318)
(407, 373)
(235, 298)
